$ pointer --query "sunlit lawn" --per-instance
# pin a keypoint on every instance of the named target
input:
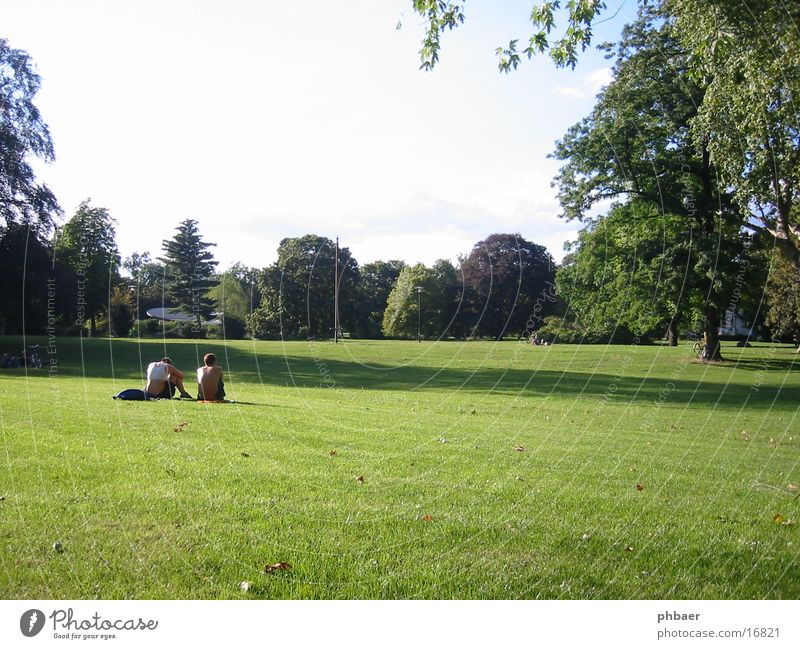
(404, 470)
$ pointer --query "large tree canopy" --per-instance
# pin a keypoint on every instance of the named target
(297, 292)
(87, 245)
(745, 55)
(508, 280)
(636, 146)
(23, 134)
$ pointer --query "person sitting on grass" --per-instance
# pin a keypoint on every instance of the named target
(209, 380)
(162, 380)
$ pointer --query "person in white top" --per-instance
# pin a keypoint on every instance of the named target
(162, 380)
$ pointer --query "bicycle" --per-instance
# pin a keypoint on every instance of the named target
(699, 346)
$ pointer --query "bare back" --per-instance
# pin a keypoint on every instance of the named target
(208, 380)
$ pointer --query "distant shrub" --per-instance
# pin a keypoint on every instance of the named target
(560, 330)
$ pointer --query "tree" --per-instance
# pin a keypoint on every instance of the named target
(406, 310)
(121, 312)
(376, 282)
(507, 280)
(637, 146)
(190, 271)
(147, 282)
(297, 292)
(431, 310)
(629, 269)
(783, 301)
(26, 276)
(744, 55)
(748, 54)
(231, 299)
(87, 245)
(23, 134)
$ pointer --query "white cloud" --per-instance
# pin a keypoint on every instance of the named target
(269, 120)
(588, 86)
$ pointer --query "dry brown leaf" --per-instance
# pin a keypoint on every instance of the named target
(332, 453)
(639, 487)
(180, 426)
(519, 448)
(778, 518)
(275, 567)
(427, 518)
(791, 486)
(360, 479)
(628, 548)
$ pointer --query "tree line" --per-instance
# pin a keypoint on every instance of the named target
(695, 148)
(695, 141)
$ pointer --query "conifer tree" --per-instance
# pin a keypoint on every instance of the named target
(190, 271)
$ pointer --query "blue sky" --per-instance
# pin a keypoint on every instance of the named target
(264, 120)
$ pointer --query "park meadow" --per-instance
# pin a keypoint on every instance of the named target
(397, 469)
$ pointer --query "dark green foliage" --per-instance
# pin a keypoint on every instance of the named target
(23, 134)
(26, 276)
(559, 329)
(147, 281)
(86, 245)
(122, 310)
(783, 301)
(509, 287)
(232, 301)
(629, 269)
(297, 292)
(636, 147)
(436, 310)
(190, 269)
(376, 282)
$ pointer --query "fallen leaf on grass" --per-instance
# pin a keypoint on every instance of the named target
(244, 586)
(275, 567)
(360, 479)
(245, 454)
(790, 487)
(628, 548)
(332, 453)
(639, 487)
(180, 426)
(2, 498)
(778, 518)
(519, 448)
(427, 518)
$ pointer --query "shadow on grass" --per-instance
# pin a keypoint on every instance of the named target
(126, 361)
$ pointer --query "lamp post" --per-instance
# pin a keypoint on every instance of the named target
(419, 289)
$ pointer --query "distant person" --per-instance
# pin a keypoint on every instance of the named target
(210, 386)
(162, 380)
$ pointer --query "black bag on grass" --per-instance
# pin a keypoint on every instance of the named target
(132, 395)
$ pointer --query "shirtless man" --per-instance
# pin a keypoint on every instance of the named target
(209, 380)
(162, 379)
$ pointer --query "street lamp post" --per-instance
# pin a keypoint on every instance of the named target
(419, 313)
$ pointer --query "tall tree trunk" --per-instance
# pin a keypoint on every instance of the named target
(711, 352)
(672, 333)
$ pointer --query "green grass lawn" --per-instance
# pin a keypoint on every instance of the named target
(176, 499)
